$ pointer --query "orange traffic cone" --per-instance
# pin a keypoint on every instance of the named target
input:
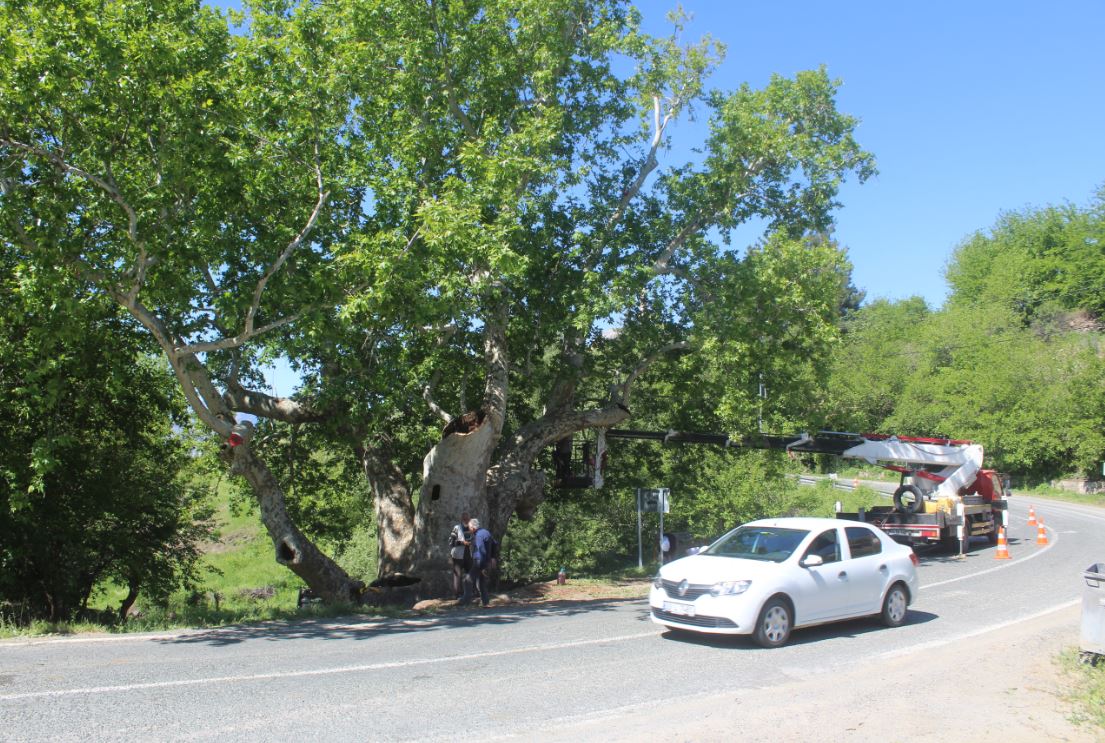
(1041, 534)
(1003, 546)
(1031, 516)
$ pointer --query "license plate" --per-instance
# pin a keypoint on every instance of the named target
(686, 610)
(899, 532)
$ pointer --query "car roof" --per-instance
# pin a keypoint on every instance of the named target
(809, 523)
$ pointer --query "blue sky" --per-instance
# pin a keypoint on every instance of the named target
(972, 108)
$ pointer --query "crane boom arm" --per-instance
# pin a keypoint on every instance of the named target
(959, 461)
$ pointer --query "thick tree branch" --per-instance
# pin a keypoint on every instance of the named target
(428, 396)
(650, 162)
(498, 365)
(284, 409)
(105, 185)
(255, 304)
(241, 339)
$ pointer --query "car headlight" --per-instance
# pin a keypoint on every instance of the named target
(730, 587)
(657, 582)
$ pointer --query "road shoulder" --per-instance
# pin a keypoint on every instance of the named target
(1003, 686)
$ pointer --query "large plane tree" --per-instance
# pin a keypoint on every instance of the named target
(451, 215)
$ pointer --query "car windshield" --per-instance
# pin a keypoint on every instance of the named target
(770, 543)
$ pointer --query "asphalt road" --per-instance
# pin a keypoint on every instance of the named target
(511, 672)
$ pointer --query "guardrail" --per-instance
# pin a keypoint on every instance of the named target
(841, 484)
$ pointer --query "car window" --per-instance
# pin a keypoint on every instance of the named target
(826, 546)
(769, 543)
(862, 541)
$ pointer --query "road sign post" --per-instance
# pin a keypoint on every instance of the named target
(653, 500)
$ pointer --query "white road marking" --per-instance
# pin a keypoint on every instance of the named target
(318, 671)
(979, 631)
(1051, 543)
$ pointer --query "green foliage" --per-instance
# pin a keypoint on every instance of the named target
(358, 554)
(380, 183)
(879, 353)
(1086, 691)
(1040, 264)
(595, 532)
(327, 495)
(1014, 361)
(91, 472)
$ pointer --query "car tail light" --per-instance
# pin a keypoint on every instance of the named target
(913, 558)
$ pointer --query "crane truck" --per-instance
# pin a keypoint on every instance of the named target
(944, 495)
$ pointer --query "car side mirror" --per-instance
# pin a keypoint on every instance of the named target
(812, 561)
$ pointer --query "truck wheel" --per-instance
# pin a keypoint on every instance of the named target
(915, 505)
(894, 606)
(773, 626)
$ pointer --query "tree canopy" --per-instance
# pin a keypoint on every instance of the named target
(447, 213)
(90, 468)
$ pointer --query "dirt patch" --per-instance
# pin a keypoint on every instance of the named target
(579, 591)
(549, 592)
(229, 541)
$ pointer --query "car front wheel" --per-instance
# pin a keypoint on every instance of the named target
(774, 624)
(894, 607)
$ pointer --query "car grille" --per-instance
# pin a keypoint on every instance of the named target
(671, 588)
(711, 622)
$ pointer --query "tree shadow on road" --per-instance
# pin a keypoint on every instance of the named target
(367, 628)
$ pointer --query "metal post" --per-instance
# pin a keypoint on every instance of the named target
(964, 529)
(640, 553)
(661, 527)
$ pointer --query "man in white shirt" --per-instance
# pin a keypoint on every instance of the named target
(460, 553)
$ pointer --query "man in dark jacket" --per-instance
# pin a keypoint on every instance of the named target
(481, 559)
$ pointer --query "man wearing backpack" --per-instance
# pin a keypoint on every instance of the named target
(460, 553)
(483, 546)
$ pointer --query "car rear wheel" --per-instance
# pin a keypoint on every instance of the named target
(895, 606)
(774, 624)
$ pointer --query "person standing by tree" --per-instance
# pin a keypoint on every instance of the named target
(460, 553)
(481, 554)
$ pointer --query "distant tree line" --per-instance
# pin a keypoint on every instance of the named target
(1015, 359)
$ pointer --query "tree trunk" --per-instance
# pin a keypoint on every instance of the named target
(293, 548)
(128, 602)
(393, 509)
(454, 480)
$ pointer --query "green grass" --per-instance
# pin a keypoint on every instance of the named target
(1050, 493)
(1086, 691)
(240, 582)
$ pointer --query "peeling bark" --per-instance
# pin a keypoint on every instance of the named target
(454, 480)
(393, 509)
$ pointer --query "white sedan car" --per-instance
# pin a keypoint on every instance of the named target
(768, 577)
